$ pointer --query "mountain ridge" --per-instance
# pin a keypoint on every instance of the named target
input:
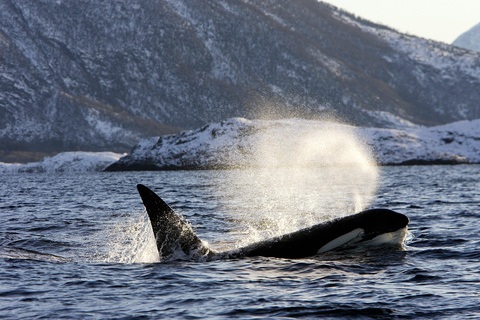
(96, 76)
(470, 39)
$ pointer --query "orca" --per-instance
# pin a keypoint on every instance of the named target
(175, 238)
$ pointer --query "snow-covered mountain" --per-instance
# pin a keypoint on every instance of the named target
(470, 39)
(101, 75)
(239, 143)
(65, 162)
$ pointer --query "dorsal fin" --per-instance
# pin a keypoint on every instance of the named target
(171, 232)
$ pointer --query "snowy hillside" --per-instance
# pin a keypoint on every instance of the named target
(458, 142)
(243, 143)
(102, 75)
(470, 39)
(437, 55)
(65, 162)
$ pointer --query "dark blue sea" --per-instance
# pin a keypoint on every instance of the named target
(79, 246)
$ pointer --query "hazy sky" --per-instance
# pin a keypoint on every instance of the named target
(442, 20)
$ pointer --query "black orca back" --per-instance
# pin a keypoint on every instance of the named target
(174, 235)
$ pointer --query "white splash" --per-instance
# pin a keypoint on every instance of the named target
(131, 241)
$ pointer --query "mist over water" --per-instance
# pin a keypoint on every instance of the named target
(308, 172)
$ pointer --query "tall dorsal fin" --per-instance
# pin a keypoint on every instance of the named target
(171, 232)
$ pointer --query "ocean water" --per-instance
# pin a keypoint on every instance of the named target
(78, 246)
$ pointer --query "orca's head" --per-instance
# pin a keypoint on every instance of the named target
(381, 221)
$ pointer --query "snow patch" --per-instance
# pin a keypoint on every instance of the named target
(105, 128)
(457, 142)
(390, 120)
(65, 162)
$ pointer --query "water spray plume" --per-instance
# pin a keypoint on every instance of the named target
(308, 172)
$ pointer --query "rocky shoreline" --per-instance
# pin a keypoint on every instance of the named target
(233, 144)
